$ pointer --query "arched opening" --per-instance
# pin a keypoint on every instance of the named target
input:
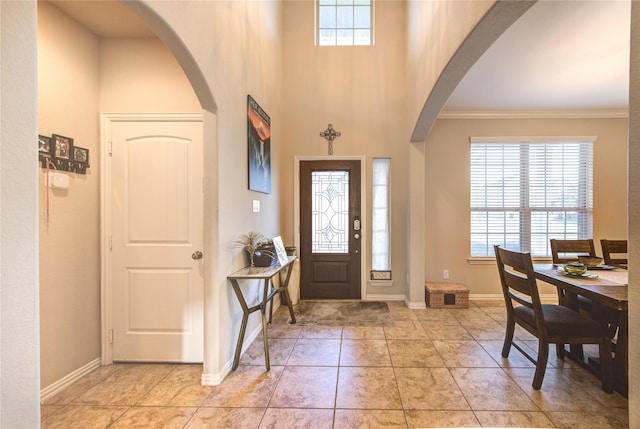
(493, 24)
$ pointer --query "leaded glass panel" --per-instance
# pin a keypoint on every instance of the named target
(330, 211)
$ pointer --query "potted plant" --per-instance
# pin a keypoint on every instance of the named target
(252, 241)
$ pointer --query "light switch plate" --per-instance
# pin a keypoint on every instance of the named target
(256, 206)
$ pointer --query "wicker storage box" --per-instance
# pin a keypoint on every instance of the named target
(446, 295)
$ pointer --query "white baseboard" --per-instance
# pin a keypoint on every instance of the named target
(485, 296)
(415, 305)
(214, 379)
(68, 379)
(383, 297)
(547, 297)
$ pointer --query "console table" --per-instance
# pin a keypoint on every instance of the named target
(265, 274)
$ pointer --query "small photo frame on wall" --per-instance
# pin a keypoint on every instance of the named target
(61, 147)
(44, 146)
(79, 160)
(259, 147)
(80, 155)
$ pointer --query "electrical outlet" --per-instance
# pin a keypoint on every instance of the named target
(445, 274)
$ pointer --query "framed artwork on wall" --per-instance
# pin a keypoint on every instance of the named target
(259, 147)
(61, 147)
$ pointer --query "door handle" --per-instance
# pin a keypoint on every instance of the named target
(196, 255)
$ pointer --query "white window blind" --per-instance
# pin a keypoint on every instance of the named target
(344, 22)
(524, 193)
(380, 218)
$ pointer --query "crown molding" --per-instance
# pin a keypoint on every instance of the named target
(534, 114)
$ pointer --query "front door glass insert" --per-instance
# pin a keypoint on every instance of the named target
(330, 211)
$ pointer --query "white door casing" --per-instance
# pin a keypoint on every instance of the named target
(153, 225)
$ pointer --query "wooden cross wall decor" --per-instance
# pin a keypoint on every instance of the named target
(330, 134)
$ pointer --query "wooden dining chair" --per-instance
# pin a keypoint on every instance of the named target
(614, 247)
(565, 251)
(550, 323)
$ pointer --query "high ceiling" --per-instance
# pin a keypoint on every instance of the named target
(105, 18)
(560, 55)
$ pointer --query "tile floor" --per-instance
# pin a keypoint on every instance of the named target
(434, 368)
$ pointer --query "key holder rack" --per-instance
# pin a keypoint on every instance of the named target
(60, 152)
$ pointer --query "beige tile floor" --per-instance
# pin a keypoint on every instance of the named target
(434, 368)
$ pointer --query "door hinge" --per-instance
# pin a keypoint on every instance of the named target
(110, 147)
(110, 336)
(110, 242)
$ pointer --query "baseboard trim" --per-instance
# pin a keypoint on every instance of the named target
(498, 296)
(68, 379)
(215, 379)
(208, 379)
(383, 297)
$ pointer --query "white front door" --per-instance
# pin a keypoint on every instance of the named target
(156, 234)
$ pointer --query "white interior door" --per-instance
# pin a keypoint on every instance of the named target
(156, 232)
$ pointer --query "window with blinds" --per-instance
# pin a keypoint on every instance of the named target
(524, 193)
(344, 22)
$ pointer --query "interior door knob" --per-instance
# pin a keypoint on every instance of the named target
(197, 255)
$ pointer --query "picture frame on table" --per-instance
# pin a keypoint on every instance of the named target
(281, 251)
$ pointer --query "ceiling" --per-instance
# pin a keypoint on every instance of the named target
(105, 18)
(560, 55)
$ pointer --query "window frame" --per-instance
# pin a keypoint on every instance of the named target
(528, 192)
(344, 4)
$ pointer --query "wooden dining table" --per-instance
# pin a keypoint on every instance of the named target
(608, 291)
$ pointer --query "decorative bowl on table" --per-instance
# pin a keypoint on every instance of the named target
(575, 268)
(590, 261)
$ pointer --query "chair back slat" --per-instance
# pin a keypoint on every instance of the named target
(614, 247)
(565, 251)
(518, 280)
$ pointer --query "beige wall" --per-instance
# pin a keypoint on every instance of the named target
(68, 95)
(140, 75)
(435, 30)
(79, 77)
(361, 92)
(447, 189)
(238, 52)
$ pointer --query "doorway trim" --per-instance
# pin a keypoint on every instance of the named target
(106, 288)
(364, 211)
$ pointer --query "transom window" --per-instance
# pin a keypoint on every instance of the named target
(523, 193)
(344, 22)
